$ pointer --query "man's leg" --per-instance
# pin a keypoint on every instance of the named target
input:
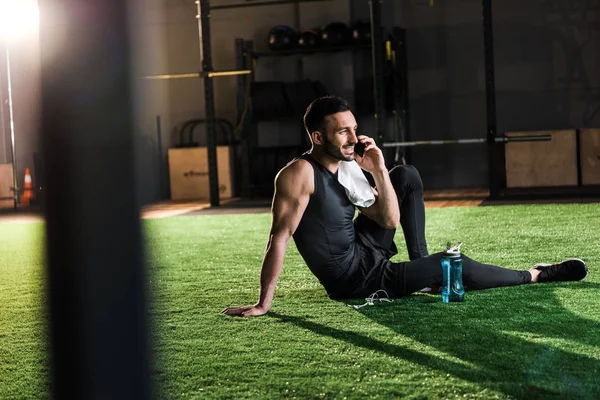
(427, 271)
(409, 189)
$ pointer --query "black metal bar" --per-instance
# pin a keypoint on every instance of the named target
(401, 94)
(158, 136)
(161, 169)
(243, 83)
(534, 138)
(496, 153)
(497, 140)
(298, 26)
(402, 53)
(578, 156)
(263, 3)
(251, 130)
(209, 99)
(490, 79)
(378, 72)
(95, 268)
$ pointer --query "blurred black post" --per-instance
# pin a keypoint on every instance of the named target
(95, 265)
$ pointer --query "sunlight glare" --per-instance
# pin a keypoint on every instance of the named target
(18, 17)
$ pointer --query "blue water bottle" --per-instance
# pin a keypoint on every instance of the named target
(452, 286)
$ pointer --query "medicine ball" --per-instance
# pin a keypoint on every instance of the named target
(336, 34)
(309, 39)
(282, 37)
(361, 32)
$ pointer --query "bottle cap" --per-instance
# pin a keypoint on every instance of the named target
(453, 251)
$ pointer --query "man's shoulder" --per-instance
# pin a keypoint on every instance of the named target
(298, 167)
(297, 175)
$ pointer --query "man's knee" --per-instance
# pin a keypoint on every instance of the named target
(406, 176)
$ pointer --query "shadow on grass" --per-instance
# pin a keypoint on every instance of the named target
(502, 346)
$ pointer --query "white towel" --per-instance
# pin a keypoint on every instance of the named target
(357, 187)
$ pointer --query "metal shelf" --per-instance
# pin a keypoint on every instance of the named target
(263, 3)
(320, 50)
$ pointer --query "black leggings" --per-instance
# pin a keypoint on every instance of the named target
(400, 279)
(427, 272)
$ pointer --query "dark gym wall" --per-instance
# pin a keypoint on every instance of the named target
(546, 60)
(546, 75)
(447, 90)
(546, 53)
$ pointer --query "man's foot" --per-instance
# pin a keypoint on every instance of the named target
(572, 269)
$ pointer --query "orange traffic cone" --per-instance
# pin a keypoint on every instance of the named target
(27, 189)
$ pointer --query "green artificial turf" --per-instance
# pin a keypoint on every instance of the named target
(527, 342)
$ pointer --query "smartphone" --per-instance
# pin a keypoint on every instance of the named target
(359, 148)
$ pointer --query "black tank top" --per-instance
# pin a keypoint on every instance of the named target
(325, 236)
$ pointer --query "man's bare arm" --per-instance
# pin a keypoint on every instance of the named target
(293, 187)
(385, 211)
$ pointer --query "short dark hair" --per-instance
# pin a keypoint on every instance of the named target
(314, 118)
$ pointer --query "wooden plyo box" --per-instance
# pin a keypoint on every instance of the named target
(6, 182)
(589, 143)
(188, 172)
(542, 164)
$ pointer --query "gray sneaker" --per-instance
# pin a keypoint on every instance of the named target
(571, 269)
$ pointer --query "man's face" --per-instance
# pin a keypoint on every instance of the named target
(339, 137)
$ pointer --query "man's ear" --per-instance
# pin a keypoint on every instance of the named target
(317, 137)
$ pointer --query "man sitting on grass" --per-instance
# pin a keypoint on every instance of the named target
(351, 257)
